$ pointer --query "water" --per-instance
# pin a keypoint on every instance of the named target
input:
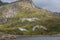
(38, 38)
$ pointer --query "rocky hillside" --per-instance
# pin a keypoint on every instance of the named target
(22, 8)
(12, 9)
(25, 14)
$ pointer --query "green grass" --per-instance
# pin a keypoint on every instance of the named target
(24, 10)
(53, 25)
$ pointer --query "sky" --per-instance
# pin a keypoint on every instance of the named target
(8, 1)
(52, 5)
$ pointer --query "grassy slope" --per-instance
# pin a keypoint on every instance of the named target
(27, 11)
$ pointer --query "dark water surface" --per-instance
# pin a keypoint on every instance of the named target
(38, 38)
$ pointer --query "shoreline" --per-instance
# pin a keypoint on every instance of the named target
(30, 35)
(9, 36)
(17, 36)
(38, 35)
(56, 35)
